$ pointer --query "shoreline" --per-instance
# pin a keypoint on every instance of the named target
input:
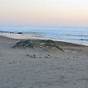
(61, 43)
(23, 36)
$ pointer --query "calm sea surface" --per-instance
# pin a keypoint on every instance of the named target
(68, 34)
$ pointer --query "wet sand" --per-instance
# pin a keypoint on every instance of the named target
(43, 67)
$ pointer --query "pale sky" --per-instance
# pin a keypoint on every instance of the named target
(44, 12)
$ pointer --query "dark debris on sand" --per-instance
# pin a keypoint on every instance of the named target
(37, 43)
(23, 43)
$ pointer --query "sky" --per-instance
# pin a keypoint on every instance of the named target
(44, 12)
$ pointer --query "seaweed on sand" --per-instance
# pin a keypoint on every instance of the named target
(42, 43)
(51, 43)
(24, 43)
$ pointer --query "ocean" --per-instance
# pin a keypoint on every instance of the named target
(78, 35)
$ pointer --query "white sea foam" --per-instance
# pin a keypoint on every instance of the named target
(66, 34)
(21, 36)
(30, 36)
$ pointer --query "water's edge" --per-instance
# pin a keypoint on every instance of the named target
(70, 35)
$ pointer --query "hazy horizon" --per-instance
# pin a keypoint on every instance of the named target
(44, 13)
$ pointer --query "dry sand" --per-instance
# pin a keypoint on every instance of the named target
(43, 68)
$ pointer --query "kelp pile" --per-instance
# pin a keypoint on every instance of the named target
(37, 43)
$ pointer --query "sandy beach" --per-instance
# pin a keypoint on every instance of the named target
(43, 67)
